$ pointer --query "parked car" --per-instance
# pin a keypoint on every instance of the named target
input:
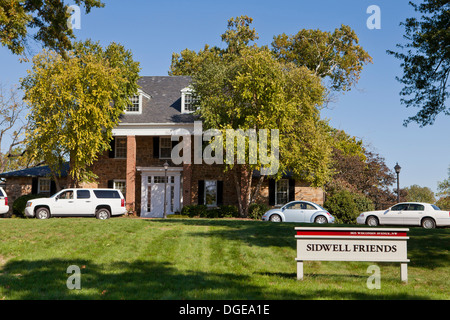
(422, 214)
(101, 203)
(4, 208)
(299, 211)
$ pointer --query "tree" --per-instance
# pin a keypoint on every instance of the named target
(444, 186)
(420, 194)
(345, 206)
(359, 170)
(254, 91)
(238, 36)
(247, 87)
(444, 193)
(426, 63)
(49, 17)
(12, 127)
(75, 103)
(335, 56)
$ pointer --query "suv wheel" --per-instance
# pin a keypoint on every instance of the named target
(102, 214)
(42, 213)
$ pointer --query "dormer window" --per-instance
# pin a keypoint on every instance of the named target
(187, 100)
(135, 106)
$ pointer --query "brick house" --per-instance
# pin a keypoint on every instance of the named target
(142, 144)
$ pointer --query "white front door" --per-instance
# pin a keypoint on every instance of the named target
(157, 200)
(152, 191)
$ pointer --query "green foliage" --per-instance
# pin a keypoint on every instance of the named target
(426, 61)
(348, 145)
(420, 194)
(444, 186)
(444, 203)
(256, 210)
(362, 203)
(202, 211)
(75, 103)
(48, 18)
(255, 91)
(194, 210)
(336, 55)
(21, 202)
(345, 206)
(248, 87)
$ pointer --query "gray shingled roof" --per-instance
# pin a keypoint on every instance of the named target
(164, 105)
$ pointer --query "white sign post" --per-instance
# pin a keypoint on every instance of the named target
(352, 244)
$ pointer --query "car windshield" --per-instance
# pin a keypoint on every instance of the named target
(435, 207)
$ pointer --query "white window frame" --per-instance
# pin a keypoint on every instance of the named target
(116, 148)
(277, 203)
(204, 194)
(141, 94)
(160, 147)
(40, 184)
(188, 91)
(139, 109)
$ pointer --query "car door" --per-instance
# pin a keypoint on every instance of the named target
(64, 204)
(308, 211)
(293, 212)
(394, 214)
(413, 214)
(83, 203)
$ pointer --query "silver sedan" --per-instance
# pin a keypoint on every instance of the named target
(299, 211)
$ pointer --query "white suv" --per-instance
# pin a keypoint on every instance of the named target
(101, 203)
(4, 208)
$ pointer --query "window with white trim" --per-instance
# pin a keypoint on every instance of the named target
(165, 147)
(187, 100)
(189, 103)
(281, 192)
(135, 104)
(120, 148)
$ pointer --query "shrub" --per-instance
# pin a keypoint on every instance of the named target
(363, 203)
(203, 212)
(228, 212)
(194, 210)
(345, 206)
(19, 204)
(256, 210)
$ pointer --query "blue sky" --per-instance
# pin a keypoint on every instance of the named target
(372, 111)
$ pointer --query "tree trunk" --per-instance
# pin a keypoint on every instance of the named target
(243, 176)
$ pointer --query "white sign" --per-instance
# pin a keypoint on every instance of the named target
(352, 244)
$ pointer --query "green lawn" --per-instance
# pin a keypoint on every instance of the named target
(125, 258)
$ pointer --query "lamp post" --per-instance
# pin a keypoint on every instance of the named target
(166, 166)
(397, 171)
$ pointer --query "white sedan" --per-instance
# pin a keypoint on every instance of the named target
(426, 215)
